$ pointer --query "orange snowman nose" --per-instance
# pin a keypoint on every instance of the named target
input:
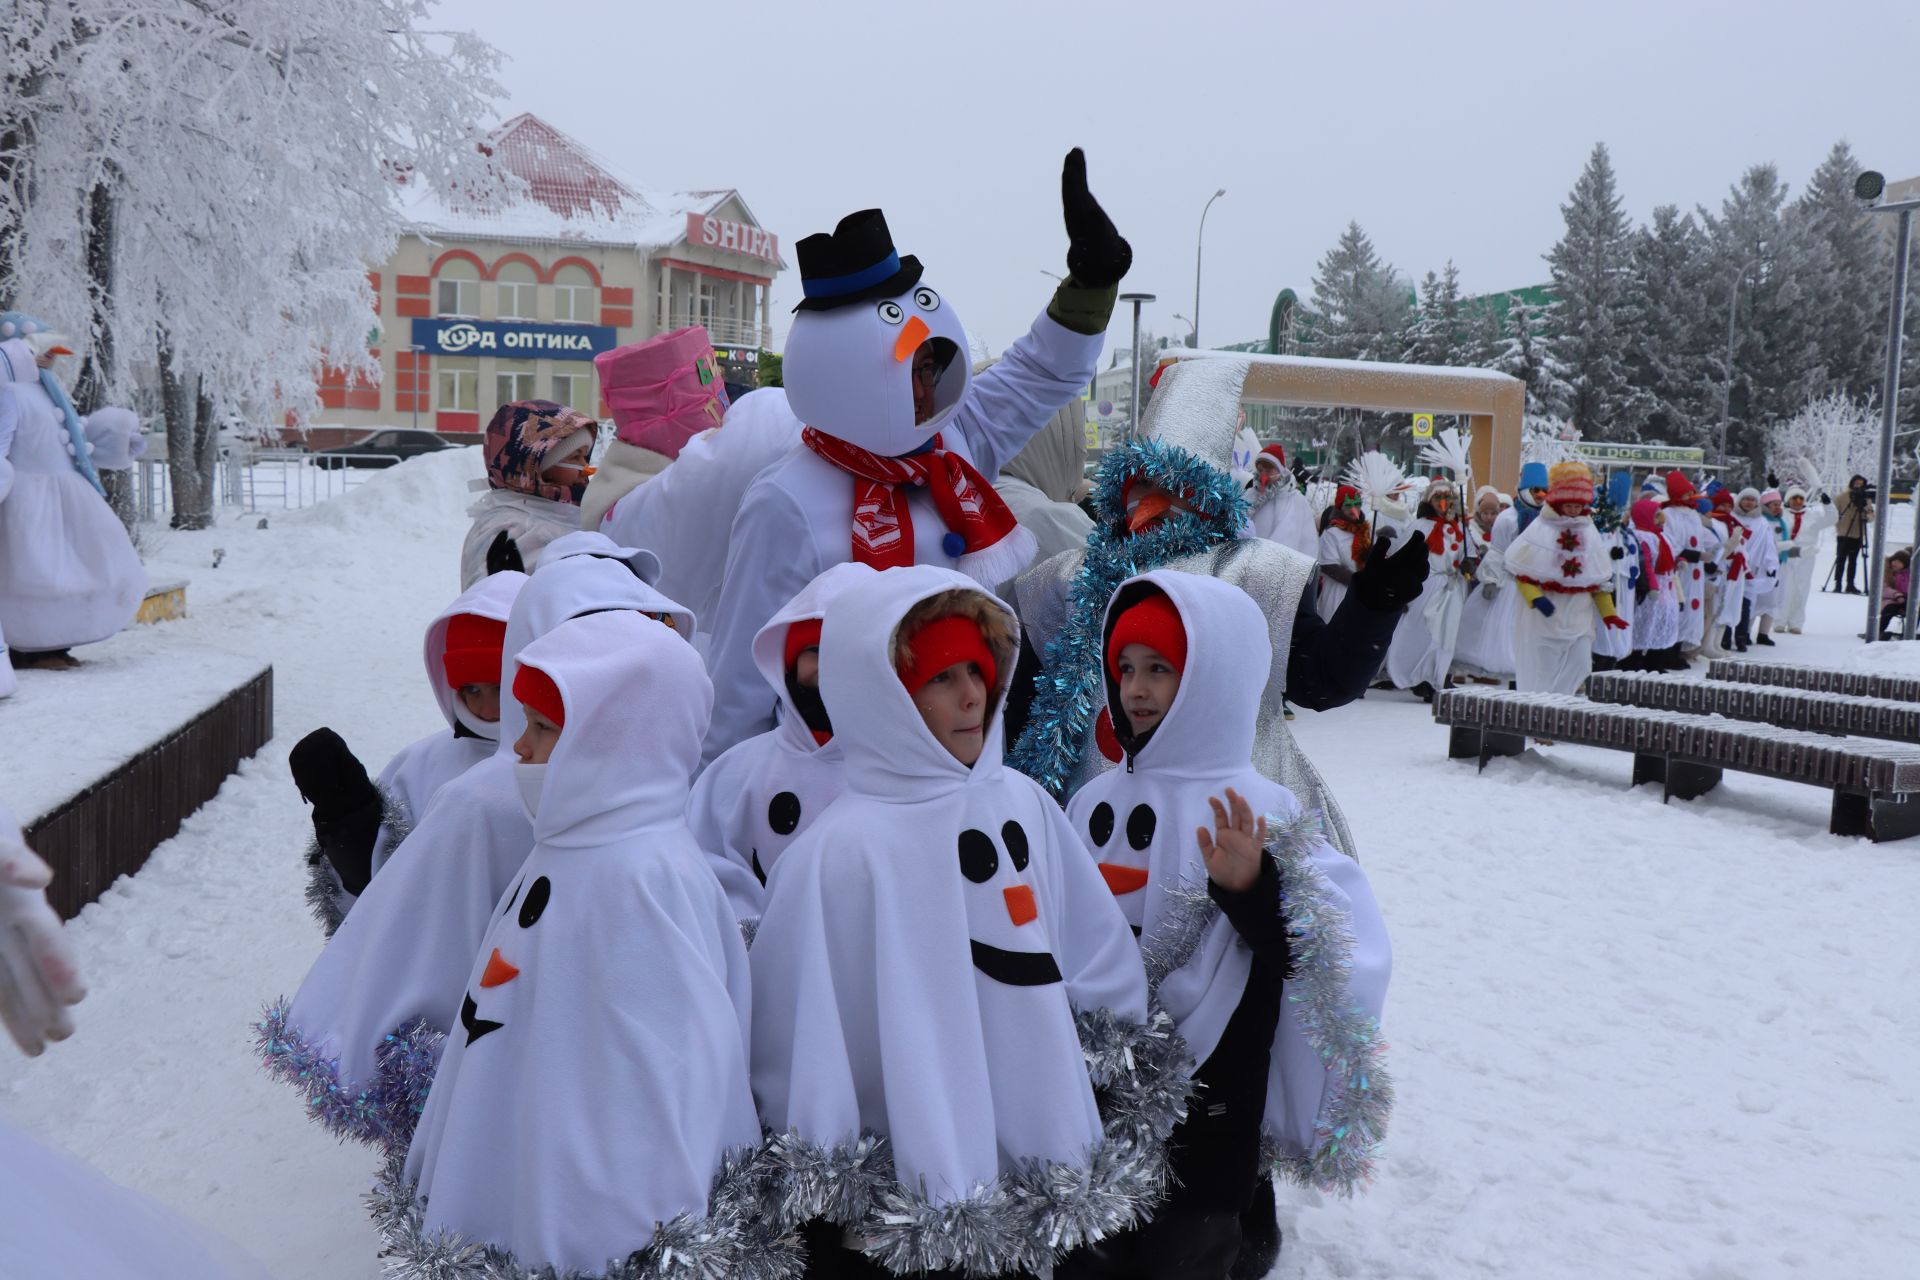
(910, 338)
(499, 972)
(1122, 879)
(1020, 904)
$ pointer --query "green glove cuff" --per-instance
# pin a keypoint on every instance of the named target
(1083, 308)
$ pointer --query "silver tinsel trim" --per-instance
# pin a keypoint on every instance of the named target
(383, 1114)
(749, 930)
(326, 897)
(730, 1242)
(1023, 1220)
(1353, 1118)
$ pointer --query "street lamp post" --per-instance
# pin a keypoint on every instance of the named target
(1869, 186)
(1726, 388)
(1198, 241)
(1133, 406)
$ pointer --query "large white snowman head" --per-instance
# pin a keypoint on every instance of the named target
(867, 328)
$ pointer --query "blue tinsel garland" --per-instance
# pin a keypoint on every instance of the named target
(1068, 693)
(385, 1112)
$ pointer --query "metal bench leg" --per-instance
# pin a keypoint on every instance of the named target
(1499, 744)
(1878, 817)
(1688, 780)
(1648, 767)
(1463, 743)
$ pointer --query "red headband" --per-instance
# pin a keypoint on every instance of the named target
(473, 650)
(939, 645)
(536, 690)
(1155, 623)
(801, 636)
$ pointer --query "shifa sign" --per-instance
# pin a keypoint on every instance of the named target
(732, 237)
(513, 339)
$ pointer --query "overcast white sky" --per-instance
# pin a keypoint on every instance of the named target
(1446, 130)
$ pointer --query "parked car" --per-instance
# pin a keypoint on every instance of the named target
(384, 447)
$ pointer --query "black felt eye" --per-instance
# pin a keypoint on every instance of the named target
(1100, 823)
(783, 813)
(891, 312)
(1140, 824)
(537, 895)
(1016, 842)
(978, 858)
(926, 299)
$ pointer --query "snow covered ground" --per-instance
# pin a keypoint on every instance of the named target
(1629, 1039)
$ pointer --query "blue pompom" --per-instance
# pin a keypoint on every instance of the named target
(953, 544)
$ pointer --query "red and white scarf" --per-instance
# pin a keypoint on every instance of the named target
(977, 519)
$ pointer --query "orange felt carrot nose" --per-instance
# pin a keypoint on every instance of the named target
(910, 338)
(1147, 510)
(499, 972)
(1123, 879)
(1020, 904)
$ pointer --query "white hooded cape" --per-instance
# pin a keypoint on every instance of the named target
(926, 952)
(361, 1036)
(759, 796)
(1143, 819)
(598, 1079)
(1555, 654)
(1422, 647)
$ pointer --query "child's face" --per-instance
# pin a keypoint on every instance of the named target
(806, 669)
(1147, 685)
(536, 744)
(954, 706)
(482, 701)
(1571, 508)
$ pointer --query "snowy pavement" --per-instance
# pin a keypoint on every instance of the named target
(1629, 1039)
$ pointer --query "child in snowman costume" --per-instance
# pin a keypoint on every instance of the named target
(1421, 654)
(1263, 942)
(1613, 646)
(1726, 600)
(358, 822)
(1656, 610)
(1694, 545)
(1761, 552)
(901, 444)
(592, 1113)
(1564, 574)
(536, 453)
(68, 572)
(361, 1037)
(1280, 512)
(757, 798)
(941, 980)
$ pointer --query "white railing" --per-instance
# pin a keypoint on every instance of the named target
(725, 331)
(256, 480)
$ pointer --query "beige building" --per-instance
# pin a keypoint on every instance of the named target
(508, 295)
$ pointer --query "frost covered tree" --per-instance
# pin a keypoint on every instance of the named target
(1438, 333)
(1838, 435)
(1361, 304)
(1667, 356)
(198, 186)
(1591, 269)
(1523, 352)
(1847, 292)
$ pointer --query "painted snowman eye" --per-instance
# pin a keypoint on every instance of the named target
(1100, 823)
(978, 858)
(783, 813)
(536, 902)
(891, 312)
(1016, 842)
(1140, 825)
(926, 299)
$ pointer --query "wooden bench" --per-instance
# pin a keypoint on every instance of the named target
(1816, 712)
(1875, 785)
(1854, 684)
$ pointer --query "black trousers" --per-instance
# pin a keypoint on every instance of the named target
(1846, 554)
(1889, 613)
(828, 1259)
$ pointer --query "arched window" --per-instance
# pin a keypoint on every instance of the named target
(459, 288)
(573, 295)
(517, 284)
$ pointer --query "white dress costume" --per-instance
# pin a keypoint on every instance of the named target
(760, 795)
(1555, 654)
(1486, 647)
(937, 962)
(1281, 513)
(1423, 643)
(1656, 619)
(68, 572)
(597, 1083)
(1688, 533)
(1762, 552)
(361, 1036)
(1335, 547)
(1804, 528)
(1612, 642)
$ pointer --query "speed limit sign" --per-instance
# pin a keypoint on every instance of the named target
(1423, 426)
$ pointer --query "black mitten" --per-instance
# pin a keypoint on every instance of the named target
(502, 555)
(1691, 555)
(330, 777)
(1393, 580)
(1097, 254)
(1618, 553)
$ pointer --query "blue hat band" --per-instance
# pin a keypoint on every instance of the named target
(840, 286)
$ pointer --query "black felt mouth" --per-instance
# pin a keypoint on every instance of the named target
(476, 1025)
(1015, 968)
(758, 871)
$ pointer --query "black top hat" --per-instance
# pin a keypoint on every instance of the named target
(857, 263)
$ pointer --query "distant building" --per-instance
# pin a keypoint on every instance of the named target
(508, 294)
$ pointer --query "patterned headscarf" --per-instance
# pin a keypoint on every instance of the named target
(520, 440)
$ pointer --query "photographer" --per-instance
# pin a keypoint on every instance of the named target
(1850, 534)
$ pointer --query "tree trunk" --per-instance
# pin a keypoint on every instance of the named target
(90, 389)
(189, 450)
(14, 177)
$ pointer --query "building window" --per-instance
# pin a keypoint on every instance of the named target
(459, 291)
(459, 384)
(704, 310)
(575, 390)
(517, 287)
(573, 296)
(513, 380)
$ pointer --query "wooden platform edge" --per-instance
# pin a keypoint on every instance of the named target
(108, 830)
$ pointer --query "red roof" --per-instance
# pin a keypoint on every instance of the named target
(560, 174)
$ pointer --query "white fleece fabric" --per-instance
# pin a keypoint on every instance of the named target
(599, 1071)
(876, 1002)
(1144, 818)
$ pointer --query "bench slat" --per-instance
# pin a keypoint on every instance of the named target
(1786, 675)
(1819, 712)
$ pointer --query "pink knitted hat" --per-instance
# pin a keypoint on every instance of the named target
(663, 392)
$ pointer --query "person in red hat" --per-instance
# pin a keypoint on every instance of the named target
(1342, 549)
(1696, 548)
(1280, 511)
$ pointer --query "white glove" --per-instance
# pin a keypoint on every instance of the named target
(38, 976)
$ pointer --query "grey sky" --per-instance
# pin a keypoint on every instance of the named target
(1446, 130)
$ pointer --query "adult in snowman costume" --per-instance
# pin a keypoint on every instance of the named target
(361, 1037)
(1276, 985)
(1421, 654)
(1280, 512)
(901, 444)
(941, 981)
(68, 572)
(1490, 651)
(1805, 524)
(761, 794)
(1564, 573)
(597, 1085)
(358, 821)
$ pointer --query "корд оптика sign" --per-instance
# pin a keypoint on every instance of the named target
(516, 339)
